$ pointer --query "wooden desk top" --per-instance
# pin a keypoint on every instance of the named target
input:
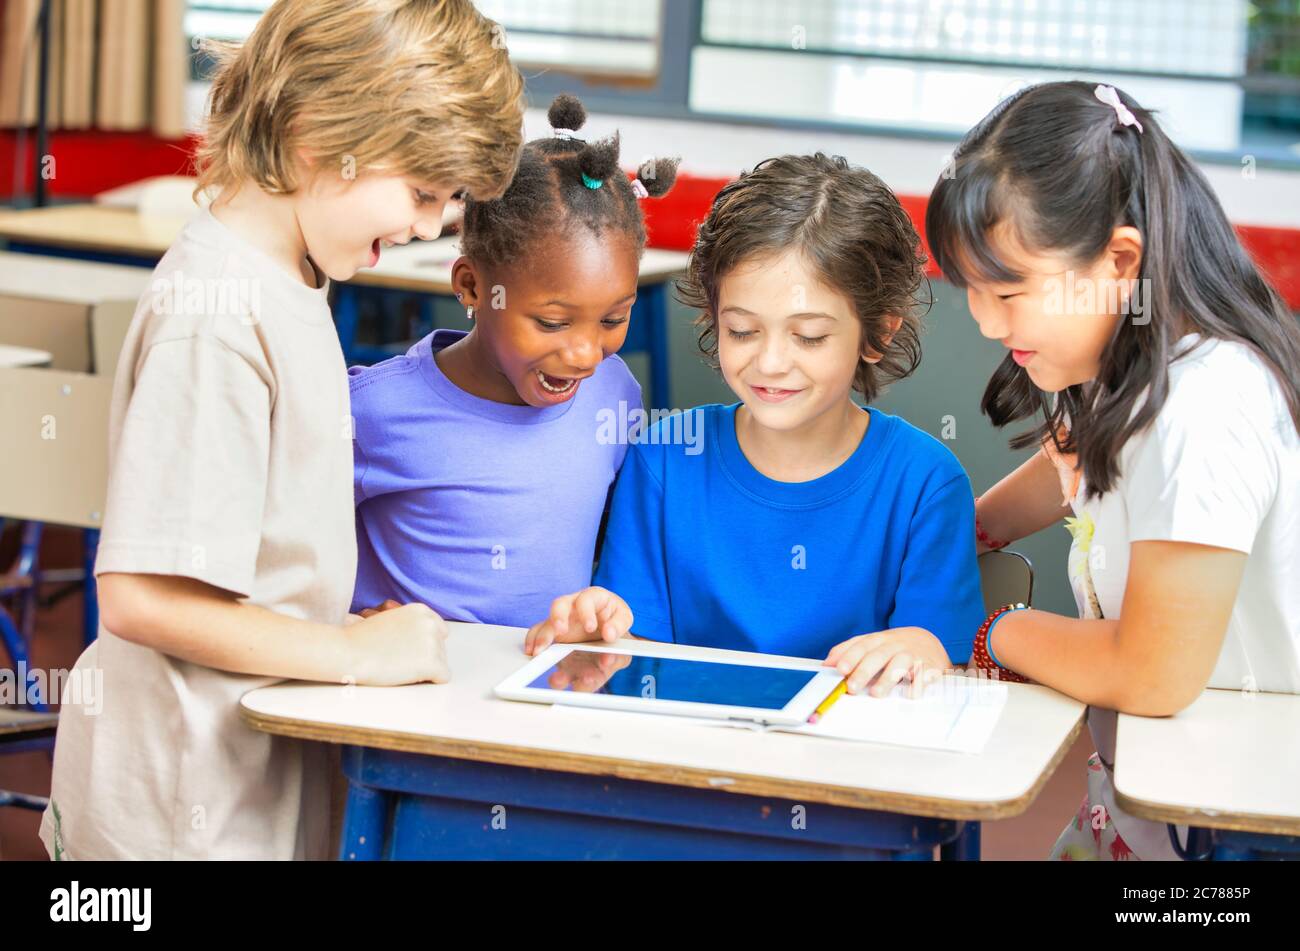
(463, 720)
(92, 228)
(1229, 761)
(420, 267)
(43, 277)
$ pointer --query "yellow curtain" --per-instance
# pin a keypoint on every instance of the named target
(114, 64)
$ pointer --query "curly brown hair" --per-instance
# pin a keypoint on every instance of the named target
(851, 228)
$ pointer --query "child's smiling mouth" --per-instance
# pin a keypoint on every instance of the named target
(773, 394)
(378, 245)
(557, 387)
(556, 384)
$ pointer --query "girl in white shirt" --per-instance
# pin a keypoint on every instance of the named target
(1165, 375)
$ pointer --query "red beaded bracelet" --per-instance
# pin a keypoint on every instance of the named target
(983, 537)
(981, 659)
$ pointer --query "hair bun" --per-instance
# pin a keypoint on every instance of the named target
(658, 175)
(599, 159)
(566, 112)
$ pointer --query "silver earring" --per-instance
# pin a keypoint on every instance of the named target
(469, 313)
(460, 296)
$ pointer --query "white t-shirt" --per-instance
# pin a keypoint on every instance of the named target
(230, 461)
(1220, 466)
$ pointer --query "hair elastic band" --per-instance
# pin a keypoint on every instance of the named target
(567, 134)
(592, 182)
(1110, 97)
(639, 189)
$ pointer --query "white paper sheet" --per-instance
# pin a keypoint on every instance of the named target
(957, 714)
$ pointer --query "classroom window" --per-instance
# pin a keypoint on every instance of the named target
(1155, 36)
(590, 37)
(585, 37)
(937, 66)
(222, 19)
(1225, 74)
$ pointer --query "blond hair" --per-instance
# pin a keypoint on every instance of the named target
(422, 88)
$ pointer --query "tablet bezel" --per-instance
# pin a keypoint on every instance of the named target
(797, 710)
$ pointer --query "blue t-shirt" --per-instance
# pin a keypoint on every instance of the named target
(484, 511)
(707, 550)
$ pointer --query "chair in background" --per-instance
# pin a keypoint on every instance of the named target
(53, 479)
(1006, 577)
(55, 471)
(56, 423)
(18, 587)
(22, 731)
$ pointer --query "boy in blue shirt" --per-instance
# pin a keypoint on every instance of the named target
(808, 525)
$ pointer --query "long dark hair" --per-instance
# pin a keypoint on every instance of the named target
(1055, 162)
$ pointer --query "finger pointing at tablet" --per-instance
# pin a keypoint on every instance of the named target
(591, 614)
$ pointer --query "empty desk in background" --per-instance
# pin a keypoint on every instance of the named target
(23, 357)
(50, 303)
(450, 771)
(91, 232)
(1229, 764)
(421, 268)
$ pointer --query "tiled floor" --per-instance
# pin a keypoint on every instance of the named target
(58, 642)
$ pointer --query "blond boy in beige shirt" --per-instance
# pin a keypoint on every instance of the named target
(227, 557)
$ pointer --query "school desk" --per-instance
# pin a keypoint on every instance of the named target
(94, 232)
(1228, 765)
(123, 236)
(23, 357)
(51, 303)
(450, 771)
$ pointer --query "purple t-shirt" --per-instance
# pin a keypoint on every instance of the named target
(484, 511)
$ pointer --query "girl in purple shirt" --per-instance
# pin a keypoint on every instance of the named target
(483, 460)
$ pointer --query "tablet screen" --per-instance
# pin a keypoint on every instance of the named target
(671, 678)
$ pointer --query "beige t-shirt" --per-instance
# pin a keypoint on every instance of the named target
(230, 461)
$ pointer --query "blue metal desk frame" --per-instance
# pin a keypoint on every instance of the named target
(415, 806)
(1227, 845)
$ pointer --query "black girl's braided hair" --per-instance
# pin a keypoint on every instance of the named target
(563, 182)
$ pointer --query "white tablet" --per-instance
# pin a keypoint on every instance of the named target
(626, 677)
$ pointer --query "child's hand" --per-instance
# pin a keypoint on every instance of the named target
(589, 615)
(386, 606)
(887, 657)
(402, 645)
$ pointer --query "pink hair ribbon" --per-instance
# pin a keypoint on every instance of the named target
(1110, 97)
